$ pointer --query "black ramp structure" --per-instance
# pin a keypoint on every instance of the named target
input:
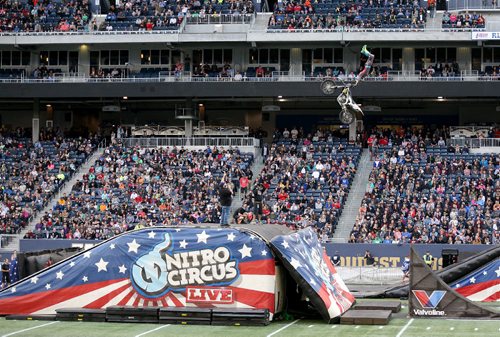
(431, 297)
(452, 273)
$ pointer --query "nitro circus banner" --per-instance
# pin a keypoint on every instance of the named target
(308, 264)
(168, 267)
(481, 285)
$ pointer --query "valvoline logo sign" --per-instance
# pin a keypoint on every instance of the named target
(429, 302)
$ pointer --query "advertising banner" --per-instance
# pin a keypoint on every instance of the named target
(166, 267)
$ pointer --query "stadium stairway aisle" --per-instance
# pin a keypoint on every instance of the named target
(436, 22)
(353, 202)
(261, 22)
(256, 168)
(66, 189)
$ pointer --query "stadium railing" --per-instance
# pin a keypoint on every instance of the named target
(191, 141)
(188, 77)
(475, 143)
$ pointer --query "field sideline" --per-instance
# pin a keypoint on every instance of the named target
(399, 326)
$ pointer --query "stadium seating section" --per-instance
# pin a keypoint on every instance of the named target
(428, 193)
(130, 188)
(339, 15)
(44, 15)
(32, 173)
(463, 21)
(304, 182)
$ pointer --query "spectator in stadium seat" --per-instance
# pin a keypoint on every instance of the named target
(225, 198)
(5, 273)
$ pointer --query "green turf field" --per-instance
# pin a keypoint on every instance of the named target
(399, 326)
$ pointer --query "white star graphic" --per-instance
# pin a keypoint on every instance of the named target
(133, 246)
(312, 282)
(245, 251)
(263, 253)
(202, 237)
(60, 275)
(231, 236)
(151, 235)
(295, 264)
(122, 268)
(85, 279)
(177, 230)
(285, 244)
(72, 264)
(183, 244)
(101, 265)
(87, 254)
(498, 272)
(472, 280)
(252, 237)
(13, 289)
(485, 273)
(112, 246)
(458, 285)
(47, 286)
(34, 279)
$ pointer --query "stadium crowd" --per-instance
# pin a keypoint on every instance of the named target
(304, 182)
(168, 14)
(31, 173)
(44, 15)
(131, 188)
(422, 191)
(306, 14)
(463, 20)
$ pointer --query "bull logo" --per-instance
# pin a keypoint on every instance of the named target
(149, 272)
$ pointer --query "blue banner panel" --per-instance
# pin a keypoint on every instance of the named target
(158, 266)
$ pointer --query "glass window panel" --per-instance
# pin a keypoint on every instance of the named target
(197, 57)
(228, 55)
(386, 55)
(284, 59)
(63, 58)
(6, 58)
(123, 57)
(145, 56)
(338, 56)
(328, 55)
(496, 55)
(430, 55)
(26, 58)
(155, 56)
(397, 56)
(318, 55)
(207, 56)
(176, 56)
(476, 58)
(274, 56)
(165, 56)
(451, 54)
(114, 58)
(94, 58)
(263, 56)
(73, 61)
(218, 56)
(253, 56)
(16, 58)
(419, 58)
(487, 55)
(104, 57)
(441, 55)
(53, 58)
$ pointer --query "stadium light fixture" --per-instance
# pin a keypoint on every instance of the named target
(440, 98)
(280, 96)
(125, 97)
(48, 105)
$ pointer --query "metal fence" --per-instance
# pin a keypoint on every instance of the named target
(188, 77)
(192, 141)
(475, 143)
(220, 19)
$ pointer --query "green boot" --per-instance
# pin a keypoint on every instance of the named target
(365, 51)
